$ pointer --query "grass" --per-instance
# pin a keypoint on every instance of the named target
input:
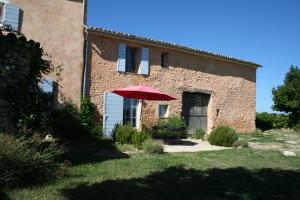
(274, 139)
(104, 172)
(101, 170)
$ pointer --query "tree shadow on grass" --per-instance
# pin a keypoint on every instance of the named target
(91, 150)
(179, 183)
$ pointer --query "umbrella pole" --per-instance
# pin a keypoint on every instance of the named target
(141, 115)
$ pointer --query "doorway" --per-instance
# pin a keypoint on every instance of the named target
(130, 111)
(194, 110)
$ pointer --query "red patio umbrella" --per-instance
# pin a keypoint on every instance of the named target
(143, 92)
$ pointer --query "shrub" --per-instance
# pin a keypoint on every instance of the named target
(138, 138)
(169, 128)
(26, 160)
(281, 121)
(266, 121)
(66, 121)
(222, 136)
(199, 134)
(97, 130)
(240, 143)
(124, 134)
(176, 122)
(87, 114)
(151, 146)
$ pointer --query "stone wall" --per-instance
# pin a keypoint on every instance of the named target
(15, 51)
(232, 86)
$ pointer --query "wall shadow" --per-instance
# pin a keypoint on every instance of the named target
(180, 183)
(180, 142)
(90, 150)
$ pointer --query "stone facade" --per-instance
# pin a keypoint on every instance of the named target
(232, 85)
(58, 26)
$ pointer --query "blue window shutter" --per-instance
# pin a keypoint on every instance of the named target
(144, 66)
(113, 112)
(121, 57)
(12, 16)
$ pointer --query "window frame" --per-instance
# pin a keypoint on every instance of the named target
(48, 86)
(2, 12)
(166, 114)
(130, 66)
(132, 106)
(164, 60)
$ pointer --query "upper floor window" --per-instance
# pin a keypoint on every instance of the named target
(11, 15)
(130, 59)
(163, 60)
(134, 60)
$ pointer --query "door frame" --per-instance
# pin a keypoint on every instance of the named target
(194, 93)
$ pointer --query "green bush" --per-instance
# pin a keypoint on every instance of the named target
(223, 136)
(199, 134)
(87, 114)
(266, 121)
(240, 143)
(169, 128)
(24, 161)
(124, 134)
(176, 122)
(69, 121)
(66, 121)
(151, 146)
(97, 130)
(281, 121)
(138, 138)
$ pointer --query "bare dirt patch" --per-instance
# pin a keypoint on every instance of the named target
(282, 140)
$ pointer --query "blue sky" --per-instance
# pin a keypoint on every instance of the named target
(264, 31)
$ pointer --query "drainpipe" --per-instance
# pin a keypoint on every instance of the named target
(85, 50)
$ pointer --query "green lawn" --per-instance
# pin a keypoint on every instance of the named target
(108, 173)
(274, 139)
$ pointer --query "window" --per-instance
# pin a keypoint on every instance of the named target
(130, 59)
(163, 60)
(129, 111)
(163, 111)
(1, 12)
(47, 86)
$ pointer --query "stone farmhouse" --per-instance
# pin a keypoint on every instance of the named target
(211, 89)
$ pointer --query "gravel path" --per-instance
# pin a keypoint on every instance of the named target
(192, 145)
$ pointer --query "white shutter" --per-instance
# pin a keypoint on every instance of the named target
(121, 57)
(144, 66)
(112, 112)
(12, 16)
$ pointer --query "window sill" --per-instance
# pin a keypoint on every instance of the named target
(132, 73)
(165, 68)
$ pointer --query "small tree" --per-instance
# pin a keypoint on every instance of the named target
(286, 97)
